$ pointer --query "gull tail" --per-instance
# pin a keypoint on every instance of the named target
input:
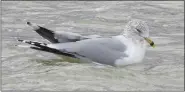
(45, 33)
(43, 47)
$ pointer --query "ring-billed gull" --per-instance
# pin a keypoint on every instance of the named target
(127, 48)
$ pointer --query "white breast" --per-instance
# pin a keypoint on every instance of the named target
(135, 51)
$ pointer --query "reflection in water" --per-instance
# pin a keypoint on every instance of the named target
(57, 62)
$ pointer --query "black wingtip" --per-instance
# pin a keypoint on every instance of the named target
(29, 23)
(19, 40)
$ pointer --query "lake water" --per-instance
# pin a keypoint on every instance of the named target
(27, 69)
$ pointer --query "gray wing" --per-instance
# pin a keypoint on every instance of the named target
(64, 37)
(101, 50)
(59, 37)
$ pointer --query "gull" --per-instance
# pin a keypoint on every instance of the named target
(127, 48)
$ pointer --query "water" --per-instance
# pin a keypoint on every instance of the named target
(27, 69)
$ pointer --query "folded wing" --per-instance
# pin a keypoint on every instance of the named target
(59, 37)
(101, 50)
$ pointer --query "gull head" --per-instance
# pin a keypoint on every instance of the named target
(138, 30)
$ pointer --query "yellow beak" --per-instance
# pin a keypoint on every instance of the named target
(150, 42)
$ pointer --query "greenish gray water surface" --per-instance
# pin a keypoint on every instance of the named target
(27, 69)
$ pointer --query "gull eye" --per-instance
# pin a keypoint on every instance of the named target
(138, 30)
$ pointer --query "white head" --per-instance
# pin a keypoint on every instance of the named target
(138, 30)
